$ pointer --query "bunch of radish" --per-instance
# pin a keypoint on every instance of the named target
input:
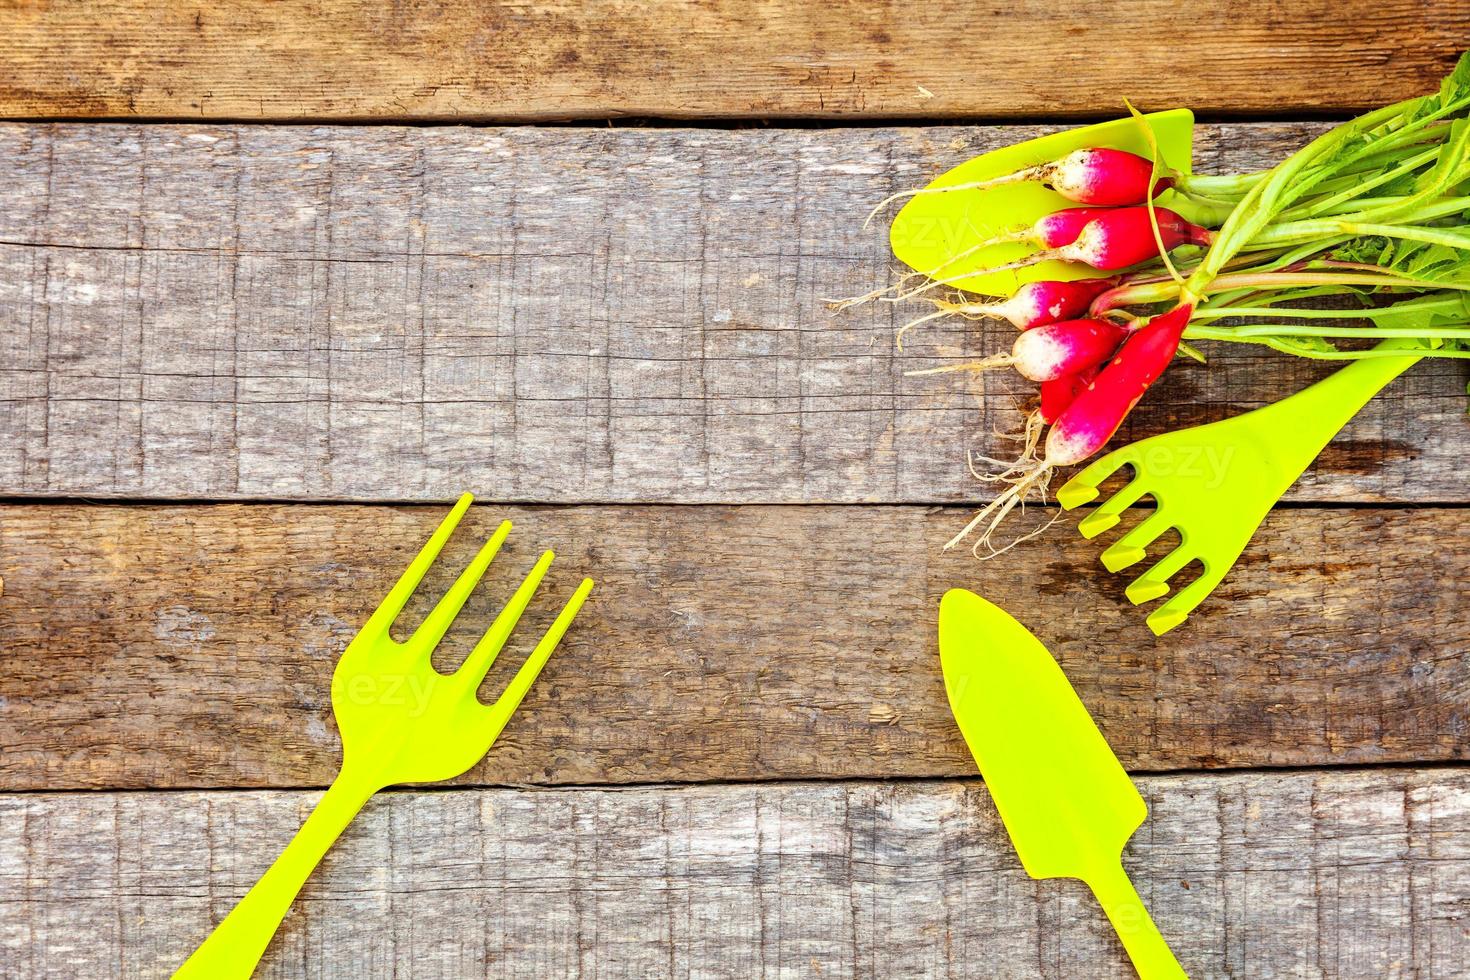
(1360, 236)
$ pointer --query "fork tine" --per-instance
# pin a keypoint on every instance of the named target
(383, 616)
(1106, 514)
(1129, 549)
(1178, 608)
(506, 704)
(1083, 487)
(482, 657)
(437, 623)
(1155, 582)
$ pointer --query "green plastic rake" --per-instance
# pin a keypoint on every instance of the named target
(1214, 484)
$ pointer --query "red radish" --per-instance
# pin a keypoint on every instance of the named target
(1049, 231)
(1105, 176)
(1040, 302)
(1053, 350)
(1125, 236)
(1118, 238)
(1056, 350)
(1094, 176)
(1097, 411)
(1058, 228)
(1090, 420)
(1058, 393)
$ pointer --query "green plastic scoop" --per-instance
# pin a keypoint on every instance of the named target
(1066, 801)
(934, 233)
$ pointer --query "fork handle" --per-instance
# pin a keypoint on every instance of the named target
(237, 943)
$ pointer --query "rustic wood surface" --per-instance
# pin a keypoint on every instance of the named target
(193, 646)
(1339, 874)
(256, 338)
(549, 315)
(725, 59)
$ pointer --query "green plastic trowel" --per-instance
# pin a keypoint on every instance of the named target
(1066, 801)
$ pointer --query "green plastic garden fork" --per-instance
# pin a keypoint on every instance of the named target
(401, 722)
(1215, 483)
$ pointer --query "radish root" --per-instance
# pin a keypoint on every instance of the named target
(1030, 439)
(1026, 174)
(1023, 477)
(1024, 262)
(1026, 473)
(984, 364)
(898, 337)
(970, 311)
(838, 305)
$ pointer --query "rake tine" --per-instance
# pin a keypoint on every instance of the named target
(437, 623)
(507, 703)
(1130, 549)
(388, 610)
(1155, 582)
(1178, 608)
(482, 657)
(1106, 514)
(1083, 487)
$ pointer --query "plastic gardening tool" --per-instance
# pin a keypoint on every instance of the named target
(1215, 483)
(401, 722)
(1064, 798)
(933, 232)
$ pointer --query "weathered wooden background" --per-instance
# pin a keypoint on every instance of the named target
(1254, 874)
(462, 60)
(243, 367)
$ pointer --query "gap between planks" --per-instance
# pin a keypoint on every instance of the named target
(674, 785)
(47, 500)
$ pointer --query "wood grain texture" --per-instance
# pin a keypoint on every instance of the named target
(1344, 875)
(193, 646)
(548, 315)
(727, 59)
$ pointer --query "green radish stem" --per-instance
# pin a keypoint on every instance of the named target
(1428, 306)
(1163, 292)
(1293, 178)
(1357, 188)
(1230, 187)
(1284, 345)
(1203, 332)
(1355, 229)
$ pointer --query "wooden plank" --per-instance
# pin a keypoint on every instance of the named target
(564, 59)
(193, 646)
(555, 315)
(1351, 874)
